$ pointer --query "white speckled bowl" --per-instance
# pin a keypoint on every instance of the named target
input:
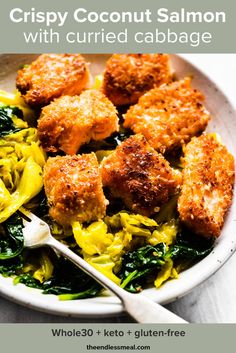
(223, 122)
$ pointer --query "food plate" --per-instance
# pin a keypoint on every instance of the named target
(223, 122)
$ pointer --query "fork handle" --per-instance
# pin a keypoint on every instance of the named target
(138, 306)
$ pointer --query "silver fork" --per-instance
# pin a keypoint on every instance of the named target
(37, 233)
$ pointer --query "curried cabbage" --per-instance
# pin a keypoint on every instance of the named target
(21, 157)
(40, 267)
(98, 82)
(94, 242)
(21, 165)
(166, 272)
(15, 99)
(104, 243)
(132, 250)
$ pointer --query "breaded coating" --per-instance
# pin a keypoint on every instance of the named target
(169, 116)
(128, 76)
(69, 122)
(140, 176)
(73, 186)
(51, 76)
(207, 189)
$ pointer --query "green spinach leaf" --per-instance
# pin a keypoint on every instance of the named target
(12, 241)
(28, 280)
(12, 266)
(67, 281)
(139, 264)
(190, 246)
(6, 123)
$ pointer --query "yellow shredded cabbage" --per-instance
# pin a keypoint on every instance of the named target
(44, 272)
(121, 242)
(165, 233)
(135, 224)
(21, 163)
(104, 264)
(94, 242)
(94, 239)
(98, 82)
(15, 98)
(5, 195)
(30, 184)
(101, 154)
(40, 267)
(103, 243)
(167, 271)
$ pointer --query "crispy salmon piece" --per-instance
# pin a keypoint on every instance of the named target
(128, 76)
(168, 116)
(69, 122)
(51, 76)
(207, 190)
(73, 186)
(140, 176)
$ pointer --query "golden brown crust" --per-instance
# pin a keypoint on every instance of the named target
(51, 76)
(128, 76)
(207, 189)
(140, 176)
(168, 116)
(69, 122)
(73, 187)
